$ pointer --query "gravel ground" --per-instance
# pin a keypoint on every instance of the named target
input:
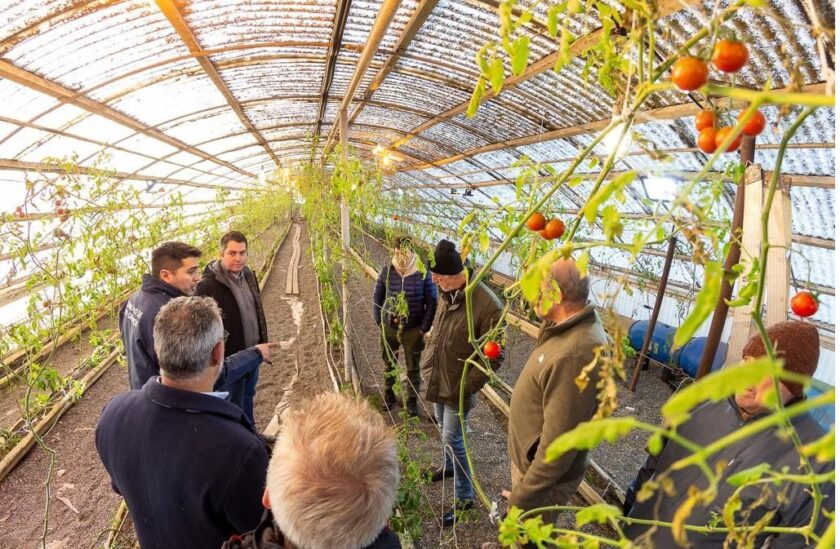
(488, 426)
(82, 502)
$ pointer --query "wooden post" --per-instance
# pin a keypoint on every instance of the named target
(345, 246)
(778, 258)
(732, 258)
(654, 315)
(750, 241)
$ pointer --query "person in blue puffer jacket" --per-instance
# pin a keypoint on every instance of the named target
(405, 301)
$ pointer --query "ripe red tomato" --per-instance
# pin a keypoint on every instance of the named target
(729, 55)
(706, 140)
(553, 229)
(395, 217)
(704, 119)
(492, 350)
(536, 222)
(723, 134)
(689, 73)
(755, 125)
(804, 304)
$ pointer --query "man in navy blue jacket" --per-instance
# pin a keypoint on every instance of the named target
(189, 464)
(175, 273)
(404, 301)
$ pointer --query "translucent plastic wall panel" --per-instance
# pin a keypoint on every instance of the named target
(22, 103)
(224, 122)
(160, 169)
(20, 141)
(170, 65)
(345, 66)
(220, 23)
(416, 92)
(101, 129)
(6, 130)
(170, 99)
(105, 42)
(148, 145)
(296, 131)
(62, 117)
(62, 147)
(454, 136)
(282, 112)
(14, 189)
(819, 203)
(220, 145)
(274, 79)
(241, 153)
(389, 117)
(187, 174)
(799, 161)
(814, 265)
(501, 122)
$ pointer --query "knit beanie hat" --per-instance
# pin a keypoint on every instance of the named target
(447, 259)
(796, 342)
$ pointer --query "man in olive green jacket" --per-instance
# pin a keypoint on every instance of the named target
(546, 401)
(442, 364)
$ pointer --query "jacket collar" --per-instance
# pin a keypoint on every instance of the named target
(152, 284)
(215, 270)
(551, 329)
(189, 401)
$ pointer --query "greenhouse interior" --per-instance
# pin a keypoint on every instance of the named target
(345, 274)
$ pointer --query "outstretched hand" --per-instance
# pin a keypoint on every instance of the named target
(265, 351)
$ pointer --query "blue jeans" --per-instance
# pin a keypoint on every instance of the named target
(453, 445)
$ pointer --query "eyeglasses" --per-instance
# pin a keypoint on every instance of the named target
(224, 337)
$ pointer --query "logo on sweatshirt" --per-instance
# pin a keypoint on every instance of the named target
(133, 314)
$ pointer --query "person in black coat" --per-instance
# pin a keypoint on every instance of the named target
(188, 463)
(174, 274)
(332, 481)
(234, 286)
(404, 305)
(784, 504)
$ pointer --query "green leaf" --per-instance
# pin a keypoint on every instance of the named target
(497, 75)
(582, 263)
(749, 475)
(484, 241)
(615, 186)
(564, 52)
(706, 300)
(531, 281)
(481, 61)
(475, 100)
(827, 540)
(719, 385)
(551, 23)
(822, 448)
(654, 445)
(599, 512)
(519, 55)
(588, 435)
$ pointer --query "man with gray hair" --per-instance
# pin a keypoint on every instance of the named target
(332, 481)
(546, 401)
(188, 463)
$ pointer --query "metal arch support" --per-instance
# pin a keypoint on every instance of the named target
(339, 22)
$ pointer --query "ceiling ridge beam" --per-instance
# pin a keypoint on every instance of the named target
(339, 23)
(418, 19)
(380, 27)
(544, 64)
(22, 165)
(66, 95)
(176, 19)
(651, 115)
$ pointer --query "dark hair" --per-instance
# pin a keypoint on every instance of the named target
(236, 236)
(170, 255)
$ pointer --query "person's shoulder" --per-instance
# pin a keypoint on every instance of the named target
(127, 400)
(490, 299)
(386, 539)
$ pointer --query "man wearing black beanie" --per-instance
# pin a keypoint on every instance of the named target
(442, 363)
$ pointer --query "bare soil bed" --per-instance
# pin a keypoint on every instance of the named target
(82, 502)
(487, 436)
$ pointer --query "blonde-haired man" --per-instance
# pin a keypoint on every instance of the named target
(332, 482)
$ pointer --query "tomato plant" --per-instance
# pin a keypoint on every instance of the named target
(723, 134)
(754, 124)
(492, 350)
(707, 140)
(536, 222)
(705, 119)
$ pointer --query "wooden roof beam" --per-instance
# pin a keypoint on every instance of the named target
(377, 32)
(339, 22)
(666, 8)
(66, 95)
(176, 19)
(21, 165)
(817, 242)
(418, 18)
(652, 115)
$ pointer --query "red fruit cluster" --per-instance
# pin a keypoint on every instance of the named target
(690, 73)
(549, 230)
(19, 213)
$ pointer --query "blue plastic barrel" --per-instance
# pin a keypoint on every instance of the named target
(660, 343)
(688, 356)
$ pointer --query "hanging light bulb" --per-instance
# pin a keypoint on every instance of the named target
(261, 178)
(396, 157)
(615, 141)
(378, 150)
(386, 160)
